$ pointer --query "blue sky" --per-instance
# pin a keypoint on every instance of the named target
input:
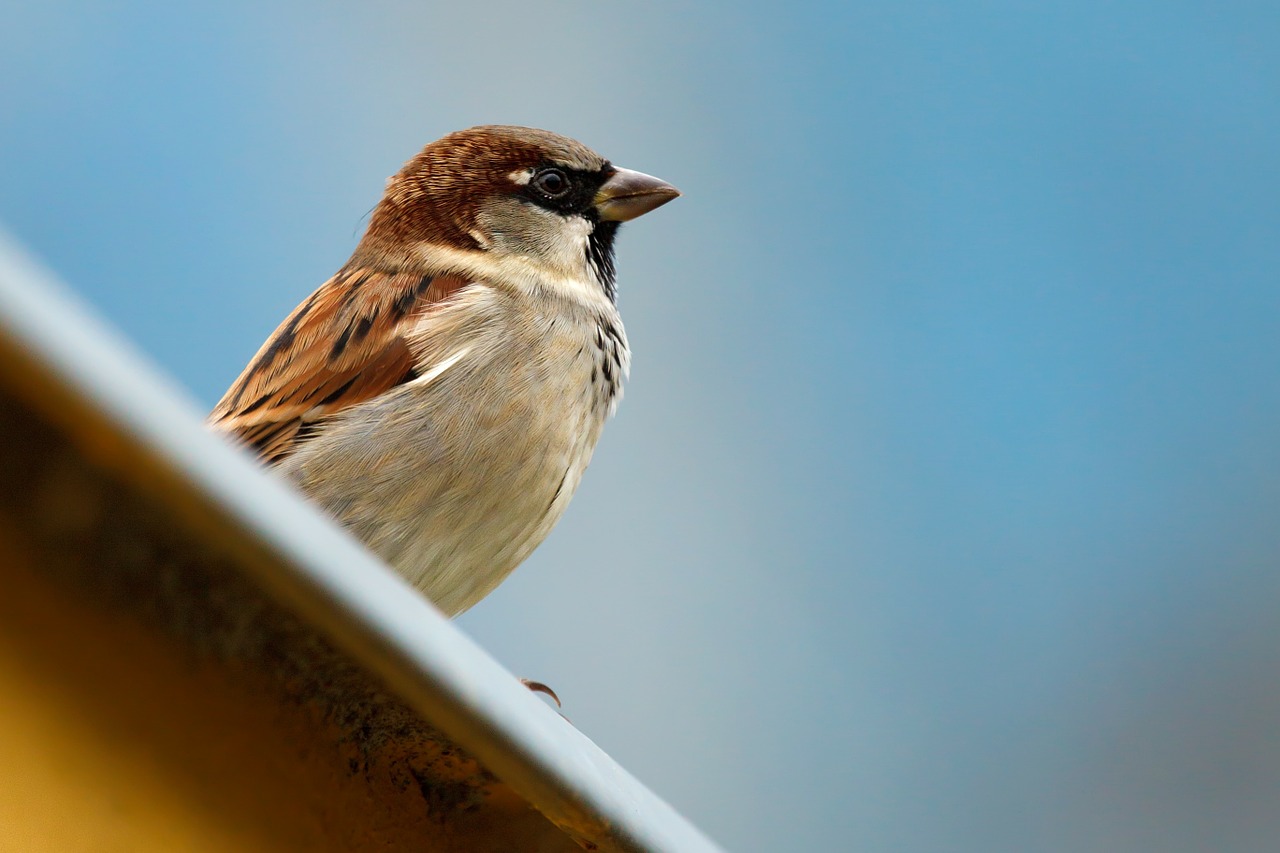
(941, 510)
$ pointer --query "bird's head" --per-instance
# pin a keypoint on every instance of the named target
(511, 196)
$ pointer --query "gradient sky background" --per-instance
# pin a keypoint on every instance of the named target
(943, 510)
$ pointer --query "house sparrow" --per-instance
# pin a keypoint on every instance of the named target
(442, 394)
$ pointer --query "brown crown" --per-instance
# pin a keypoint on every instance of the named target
(437, 195)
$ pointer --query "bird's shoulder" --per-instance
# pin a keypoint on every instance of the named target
(349, 342)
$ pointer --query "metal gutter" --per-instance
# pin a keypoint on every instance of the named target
(125, 417)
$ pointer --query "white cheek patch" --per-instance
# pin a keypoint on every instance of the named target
(565, 243)
(521, 177)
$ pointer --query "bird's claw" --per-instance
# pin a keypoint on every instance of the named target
(539, 687)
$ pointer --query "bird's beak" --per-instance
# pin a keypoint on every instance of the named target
(629, 194)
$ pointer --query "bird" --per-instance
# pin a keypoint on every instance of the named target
(442, 394)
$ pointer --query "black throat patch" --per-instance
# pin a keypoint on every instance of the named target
(600, 256)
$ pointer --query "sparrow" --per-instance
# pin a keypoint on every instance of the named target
(441, 395)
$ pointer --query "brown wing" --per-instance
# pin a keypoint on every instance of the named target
(345, 344)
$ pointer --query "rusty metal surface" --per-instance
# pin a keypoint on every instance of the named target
(132, 515)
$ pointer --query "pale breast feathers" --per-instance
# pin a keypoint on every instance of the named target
(346, 344)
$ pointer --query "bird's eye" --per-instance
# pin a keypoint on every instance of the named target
(552, 182)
